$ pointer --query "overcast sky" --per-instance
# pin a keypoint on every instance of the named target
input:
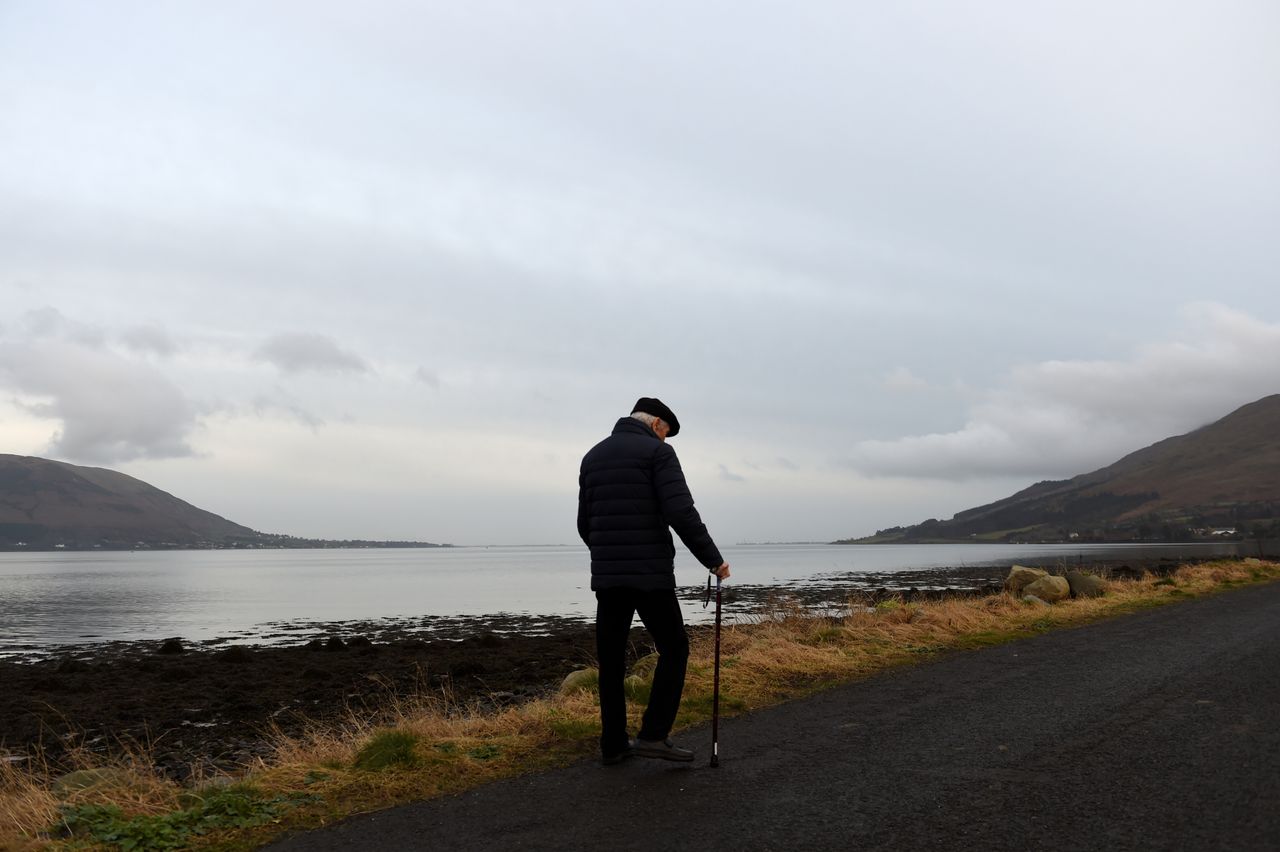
(388, 269)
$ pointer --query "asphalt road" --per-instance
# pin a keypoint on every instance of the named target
(1159, 730)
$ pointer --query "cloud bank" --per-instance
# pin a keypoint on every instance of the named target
(111, 409)
(1063, 417)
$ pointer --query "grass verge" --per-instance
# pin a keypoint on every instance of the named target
(425, 745)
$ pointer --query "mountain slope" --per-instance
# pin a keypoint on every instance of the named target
(45, 503)
(1226, 473)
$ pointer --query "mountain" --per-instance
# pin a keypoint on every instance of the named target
(1222, 476)
(50, 504)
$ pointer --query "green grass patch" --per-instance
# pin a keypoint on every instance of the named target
(388, 749)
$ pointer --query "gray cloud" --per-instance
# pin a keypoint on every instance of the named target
(430, 378)
(149, 339)
(283, 403)
(49, 322)
(299, 353)
(1060, 418)
(727, 475)
(111, 409)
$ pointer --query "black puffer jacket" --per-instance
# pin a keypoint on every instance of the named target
(630, 490)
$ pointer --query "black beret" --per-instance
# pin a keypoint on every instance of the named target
(649, 405)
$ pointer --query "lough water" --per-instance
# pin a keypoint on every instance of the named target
(60, 598)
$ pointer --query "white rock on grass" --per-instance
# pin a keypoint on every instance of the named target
(1049, 589)
(1032, 599)
(645, 666)
(1020, 576)
(91, 779)
(583, 680)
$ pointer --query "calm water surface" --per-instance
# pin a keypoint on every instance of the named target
(72, 598)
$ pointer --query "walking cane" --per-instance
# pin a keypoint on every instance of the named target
(715, 689)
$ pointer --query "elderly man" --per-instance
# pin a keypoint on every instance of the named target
(630, 490)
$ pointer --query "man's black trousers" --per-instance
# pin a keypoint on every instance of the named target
(660, 612)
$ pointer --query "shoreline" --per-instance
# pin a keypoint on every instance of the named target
(820, 592)
(211, 707)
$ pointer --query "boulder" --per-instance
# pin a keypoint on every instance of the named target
(1049, 589)
(235, 654)
(645, 666)
(1085, 585)
(1020, 576)
(88, 779)
(1033, 600)
(583, 680)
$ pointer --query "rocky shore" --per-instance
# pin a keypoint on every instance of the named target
(210, 707)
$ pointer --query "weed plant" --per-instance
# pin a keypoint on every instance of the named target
(427, 744)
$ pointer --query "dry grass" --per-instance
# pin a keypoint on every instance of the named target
(27, 805)
(785, 654)
(31, 796)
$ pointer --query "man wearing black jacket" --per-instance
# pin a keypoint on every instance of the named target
(631, 494)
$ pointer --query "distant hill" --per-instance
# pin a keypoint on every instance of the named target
(47, 504)
(1224, 476)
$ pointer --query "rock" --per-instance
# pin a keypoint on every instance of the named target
(1085, 585)
(171, 646)
(335, 643)
(235, 654)
(1020, 576)
(218, 782)
(1035, 601)
(85, 779)
(1049, 589)
(583, 680)
(645, 666)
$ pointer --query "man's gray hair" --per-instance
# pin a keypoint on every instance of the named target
(645, 417)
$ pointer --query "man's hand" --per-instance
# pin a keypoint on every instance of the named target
(722, 572)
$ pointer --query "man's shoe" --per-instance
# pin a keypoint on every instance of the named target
(665, 750)
(617, 757)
